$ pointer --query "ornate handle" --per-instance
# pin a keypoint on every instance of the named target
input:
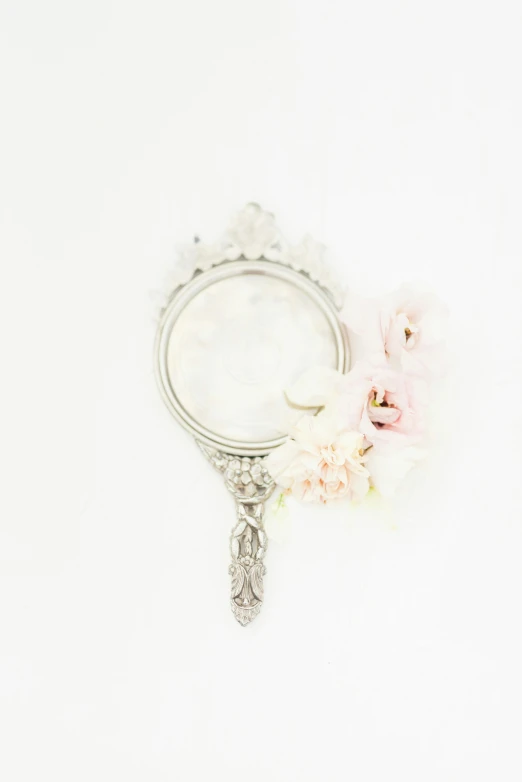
(249, 481)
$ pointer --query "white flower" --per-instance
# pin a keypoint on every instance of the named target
(388, 465)
(382, 405)
(412, 327)
(316, 387)
(405, 327)
(321, 461)
(376, 400)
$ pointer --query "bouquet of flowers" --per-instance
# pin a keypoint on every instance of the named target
(364, 430)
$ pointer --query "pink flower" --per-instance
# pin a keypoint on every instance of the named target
(386, 406)
(382, 403)
(405, 327)
(321, 462)
(375, 400)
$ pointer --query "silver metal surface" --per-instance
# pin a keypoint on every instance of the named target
(249, 482)
(318, 302)
(237, 331)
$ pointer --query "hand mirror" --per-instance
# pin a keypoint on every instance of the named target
(247, 317)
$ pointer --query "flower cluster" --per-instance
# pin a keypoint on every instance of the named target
(369, 428)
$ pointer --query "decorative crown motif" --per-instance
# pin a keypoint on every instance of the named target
(253, 234)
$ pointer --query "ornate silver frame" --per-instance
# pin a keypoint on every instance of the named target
(252, 245)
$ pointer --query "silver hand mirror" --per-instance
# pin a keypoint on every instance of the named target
(247, 317)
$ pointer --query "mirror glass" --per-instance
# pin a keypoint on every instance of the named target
(237, 344)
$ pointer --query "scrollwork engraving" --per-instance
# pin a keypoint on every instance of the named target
(250, 483)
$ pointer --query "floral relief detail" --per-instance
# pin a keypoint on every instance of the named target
(310, 256)
(248, 547)
(246, 476)
(248, 479)
(253, 234)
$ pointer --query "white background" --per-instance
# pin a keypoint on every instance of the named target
(389, 645)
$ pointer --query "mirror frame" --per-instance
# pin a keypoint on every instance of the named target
(185, 293)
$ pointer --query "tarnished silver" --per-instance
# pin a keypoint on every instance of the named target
(248, 480)
(223, 359)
